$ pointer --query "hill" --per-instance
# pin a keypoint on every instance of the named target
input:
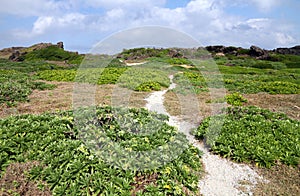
(41, 51)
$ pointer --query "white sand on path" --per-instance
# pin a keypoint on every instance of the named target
(223, 177)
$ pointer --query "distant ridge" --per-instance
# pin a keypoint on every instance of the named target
(14, 53)
(17, 53)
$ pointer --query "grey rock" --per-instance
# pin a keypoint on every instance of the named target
(259, 53)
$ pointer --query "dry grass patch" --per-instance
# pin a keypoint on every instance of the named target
(283, 180)
(61, 98)
(288, 104)
(15, 181)
(193, 108)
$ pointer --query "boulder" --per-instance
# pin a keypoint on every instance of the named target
(258, 53)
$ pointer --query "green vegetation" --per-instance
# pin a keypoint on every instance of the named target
(27, 66)
(240, 79)
(139, 79)
(250, 62)
(16, 86)
(171, 61)
(143, 53)
(53, 53)
(57, 75)
(143, 79)
(291, 61)
(250, 134)
(190, 82)
(234, 99)
(275, 61)
(66, 145)
(69, 167)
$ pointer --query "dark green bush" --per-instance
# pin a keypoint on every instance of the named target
(53, 53)
(263, 65)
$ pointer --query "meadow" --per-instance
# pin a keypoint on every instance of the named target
(52, 152)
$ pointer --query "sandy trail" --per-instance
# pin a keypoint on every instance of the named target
(223, 177)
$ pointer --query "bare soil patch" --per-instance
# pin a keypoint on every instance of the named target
(288, 104)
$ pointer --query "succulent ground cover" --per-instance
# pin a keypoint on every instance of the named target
(68, 166)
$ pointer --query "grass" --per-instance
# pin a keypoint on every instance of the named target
(283, 180)
(288, 104)
(61, 98)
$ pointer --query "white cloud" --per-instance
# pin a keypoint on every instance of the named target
(262, 5)
(41, 25)
(266, 5)
(124, 3)
(30, 7)
(49, 24)
(117, 13)
(165, 16)
(205, 20)
(254, 24)
(284, 39)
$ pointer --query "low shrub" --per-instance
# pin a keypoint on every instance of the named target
(235, 99)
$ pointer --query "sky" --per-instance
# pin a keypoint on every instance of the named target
(81, 24)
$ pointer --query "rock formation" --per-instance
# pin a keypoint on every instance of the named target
(259, 53)
(294, 50)
(60, 45)
(223, 50)
(17, 53)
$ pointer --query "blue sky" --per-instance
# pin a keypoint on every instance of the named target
(80, 24)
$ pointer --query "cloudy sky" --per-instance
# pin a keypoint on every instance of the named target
(81, 24)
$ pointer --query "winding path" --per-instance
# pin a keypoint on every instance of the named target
(223, 177)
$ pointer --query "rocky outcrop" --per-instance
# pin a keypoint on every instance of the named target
(17, 53)
(216, 49)
(223, 49)
(294, 50)
(259, 53)
(7, 52)
(16, 56)
(60, 45)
